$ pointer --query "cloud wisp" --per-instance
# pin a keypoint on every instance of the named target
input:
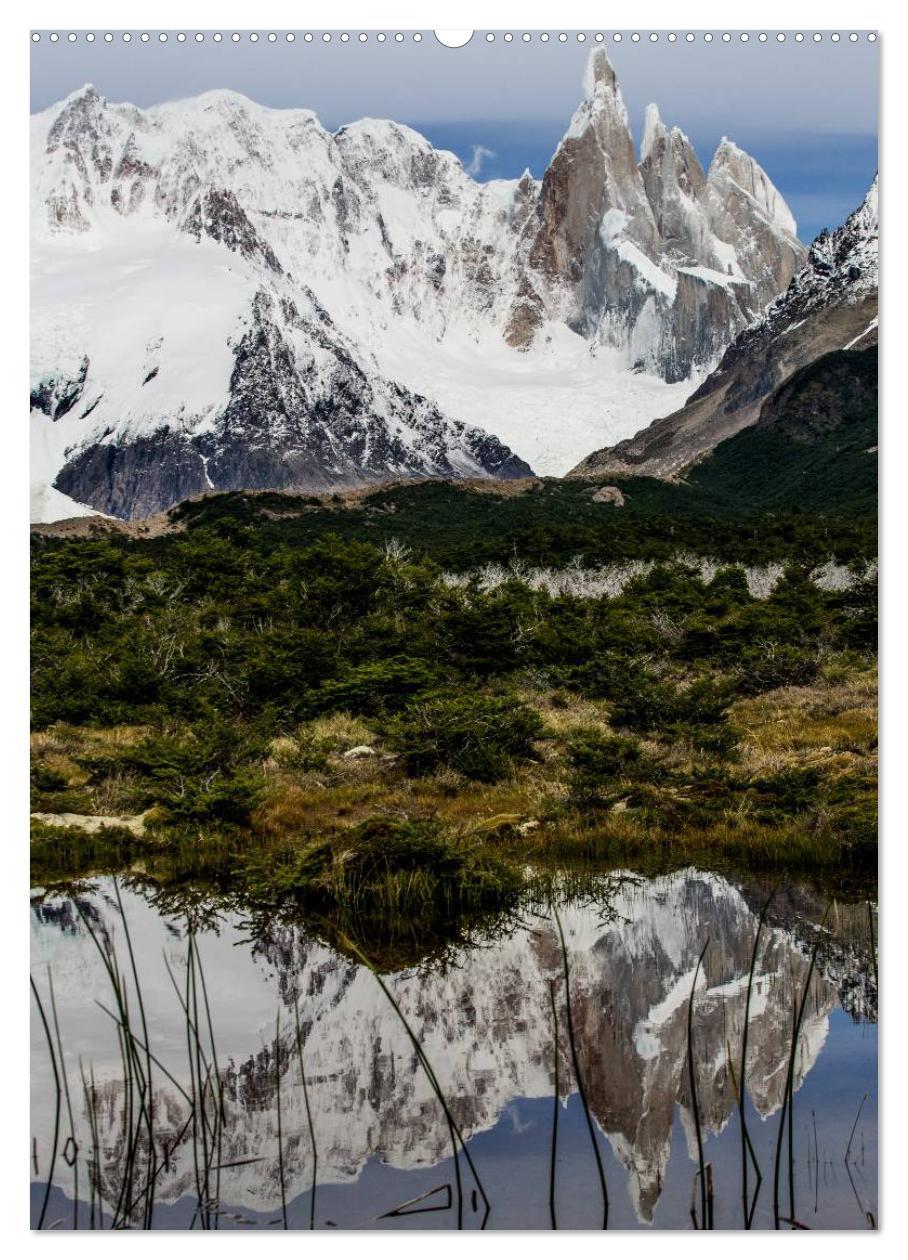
(480, 153)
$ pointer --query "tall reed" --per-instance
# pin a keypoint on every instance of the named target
(556, 1104)
(72, 1145)
(705, 1192)
(578, 1075)
(787, 1114)
(58, 1099)
(280, 1134)
(747, 1150)
(299, 1050)
(457, 1141)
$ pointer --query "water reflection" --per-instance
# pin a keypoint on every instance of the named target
(483, 1019)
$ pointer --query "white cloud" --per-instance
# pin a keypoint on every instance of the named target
(480, 153)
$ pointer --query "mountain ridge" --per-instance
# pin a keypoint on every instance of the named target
(830, 305)
(399, 316)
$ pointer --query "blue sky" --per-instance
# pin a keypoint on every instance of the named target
(807, 112)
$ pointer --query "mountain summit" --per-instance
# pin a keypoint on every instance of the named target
(655, 259)
(228, 296)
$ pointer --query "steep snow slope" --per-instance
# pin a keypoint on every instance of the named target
(227, 295)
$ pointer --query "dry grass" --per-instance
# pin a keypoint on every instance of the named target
(61, 748)
(64, 739)
(565, 713)
(321, 745)
(284, 810)
(115, 794)
(283, 750)
(310, 805)
(312, 789)
(341, 730)
(69, 770)
(795, 725)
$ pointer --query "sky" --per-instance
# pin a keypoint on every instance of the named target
(806, 111)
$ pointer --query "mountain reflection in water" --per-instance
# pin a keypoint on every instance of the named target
(483, 1020)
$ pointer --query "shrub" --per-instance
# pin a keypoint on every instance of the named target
(774, 665)
(717, 738)
(47, 779)
(394, 864)
(374, 687)
(199, 775)
(858, 617)
(694, 715)
(476, 734)
(643, 702)
(704, 703)
(598, 761)
(789, 793)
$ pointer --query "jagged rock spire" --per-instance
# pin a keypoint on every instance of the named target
(675, 184)
(732, 168)
(593, 172)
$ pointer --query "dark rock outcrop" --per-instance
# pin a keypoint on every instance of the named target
(291, 422)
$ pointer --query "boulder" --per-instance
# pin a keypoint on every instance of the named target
(609, 494)
(359, 753)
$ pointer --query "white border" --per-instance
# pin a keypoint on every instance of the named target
(531, 15)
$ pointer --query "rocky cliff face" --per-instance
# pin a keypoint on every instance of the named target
(161, 236)
(831, 304)
(656, 257)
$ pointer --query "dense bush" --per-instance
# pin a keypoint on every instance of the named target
(223, 634)
(395, 861)
(199, 775)
(553, 522)
(476, 734)
(220, 676)
(766, 666)
(642, 702)
(791, 792)
(598, 762)
(374, 687)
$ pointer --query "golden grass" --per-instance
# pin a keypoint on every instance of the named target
(285, 809)
(61, 738)
(283, 749)
(115, 794)
(564, 713)
(806, 724)
(311, 788)
(341, 731)
(70, 770)
(309, 805)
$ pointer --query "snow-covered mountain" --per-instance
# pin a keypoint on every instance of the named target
(226, 295)
(831, 304)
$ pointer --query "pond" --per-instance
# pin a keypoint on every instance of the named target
(583, 1059)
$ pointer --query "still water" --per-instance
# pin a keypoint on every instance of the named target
(479, 1057)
